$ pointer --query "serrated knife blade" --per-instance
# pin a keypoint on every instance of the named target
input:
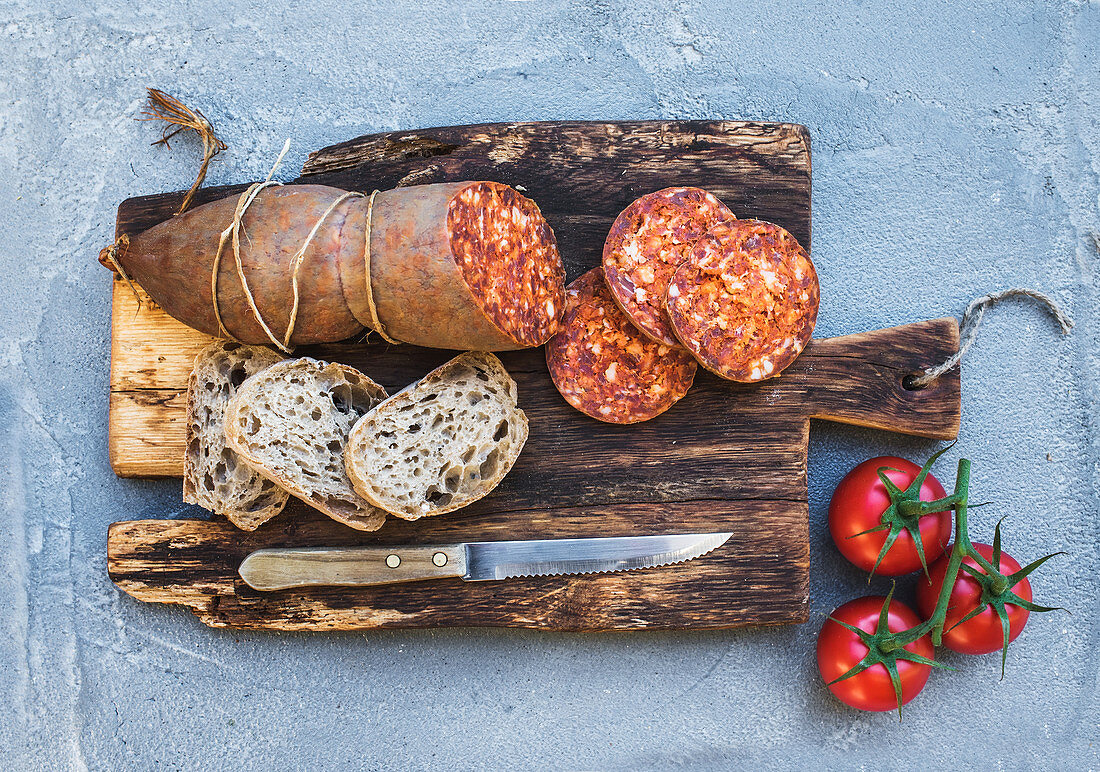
(488, 560)
(277, 569)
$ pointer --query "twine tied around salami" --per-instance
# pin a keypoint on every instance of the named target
(375, 323)
(232, 234)
(110, 255)
(178, 117)
(469, 265)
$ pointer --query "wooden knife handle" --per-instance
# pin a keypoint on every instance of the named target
(278, 569)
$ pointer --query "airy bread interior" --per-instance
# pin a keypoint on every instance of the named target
(442, 443)
(292, 422)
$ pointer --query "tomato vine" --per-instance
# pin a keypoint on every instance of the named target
(886, 648)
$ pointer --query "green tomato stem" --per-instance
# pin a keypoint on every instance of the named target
(959, 550)
(915, 507)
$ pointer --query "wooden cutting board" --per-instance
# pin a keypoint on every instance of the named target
(728, 457)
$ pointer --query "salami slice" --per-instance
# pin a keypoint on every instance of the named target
(604, 367)
(509, 258)
(647, 241)
(745, 302)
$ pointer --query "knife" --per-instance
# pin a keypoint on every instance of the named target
(278, 569)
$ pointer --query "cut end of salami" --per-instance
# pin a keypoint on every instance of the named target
(647, 242)
(604, 367)
(509, 258)
(745, 302)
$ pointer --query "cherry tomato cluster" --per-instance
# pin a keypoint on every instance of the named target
(891, 517)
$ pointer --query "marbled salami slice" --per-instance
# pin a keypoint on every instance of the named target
(745, 302)
(509, 258)
(604, 367)
(647, 242)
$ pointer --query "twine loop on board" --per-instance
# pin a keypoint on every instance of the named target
(971, 321)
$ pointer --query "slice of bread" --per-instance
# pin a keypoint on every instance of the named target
(214, 476)
(291, 422)
(441, 443)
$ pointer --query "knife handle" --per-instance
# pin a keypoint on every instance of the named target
(278, 569)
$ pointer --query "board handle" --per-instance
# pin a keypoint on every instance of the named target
(279, 569)
(862, 379)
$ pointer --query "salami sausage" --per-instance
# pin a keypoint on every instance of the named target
(466, 265)
(173, 261)
(604, 367)
(647, 241)
(745, 302)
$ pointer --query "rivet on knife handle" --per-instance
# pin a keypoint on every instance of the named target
(279, 569)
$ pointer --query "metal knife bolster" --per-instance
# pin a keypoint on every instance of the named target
(277, 569)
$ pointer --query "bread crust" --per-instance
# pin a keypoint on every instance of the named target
(220, 364)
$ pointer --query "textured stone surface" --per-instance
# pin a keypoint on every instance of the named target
(956, 150)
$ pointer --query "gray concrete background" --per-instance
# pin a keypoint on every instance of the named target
(956, 150)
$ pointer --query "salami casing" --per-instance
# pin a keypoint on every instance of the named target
(647, 242)
(466, 265)
(604, 367)
(745, 302)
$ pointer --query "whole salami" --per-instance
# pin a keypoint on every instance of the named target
(647, 241)
(604, 367)
(462, 265)
(745, 302)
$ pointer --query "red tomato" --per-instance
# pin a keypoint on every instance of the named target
(983, 633)
(857, 506)
(839, 650)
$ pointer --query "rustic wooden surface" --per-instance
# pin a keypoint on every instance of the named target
(726, 458)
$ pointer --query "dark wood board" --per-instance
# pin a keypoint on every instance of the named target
(727, 457)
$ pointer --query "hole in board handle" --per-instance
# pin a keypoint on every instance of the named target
(908, 382)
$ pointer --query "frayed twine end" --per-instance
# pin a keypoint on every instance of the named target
(180, 117)
(108, 256)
